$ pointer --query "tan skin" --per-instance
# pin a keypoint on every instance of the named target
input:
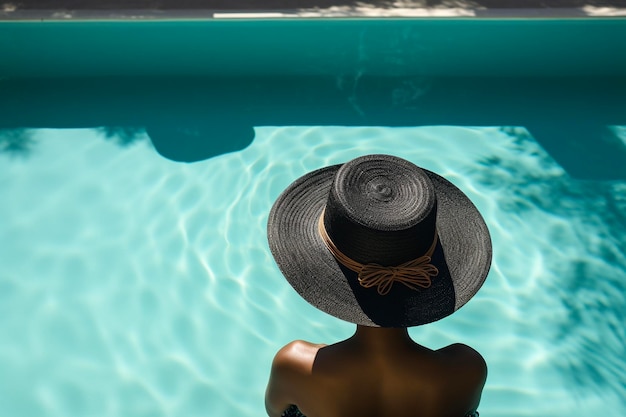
(378, 372)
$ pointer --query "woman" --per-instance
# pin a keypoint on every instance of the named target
(386, 245)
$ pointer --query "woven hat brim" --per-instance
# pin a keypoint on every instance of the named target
(315, 274)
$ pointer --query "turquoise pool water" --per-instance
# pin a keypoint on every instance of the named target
(134, 285)
(135, 277)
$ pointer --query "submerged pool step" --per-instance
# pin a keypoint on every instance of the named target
(574, 119)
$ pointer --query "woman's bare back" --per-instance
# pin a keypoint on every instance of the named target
(399, 380)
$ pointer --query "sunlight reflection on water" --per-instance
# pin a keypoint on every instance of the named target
(134, 285)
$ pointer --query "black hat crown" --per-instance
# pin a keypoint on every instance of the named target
(381, 209)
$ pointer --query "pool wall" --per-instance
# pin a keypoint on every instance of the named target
(313, 47)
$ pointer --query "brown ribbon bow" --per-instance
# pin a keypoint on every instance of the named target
(413, 274)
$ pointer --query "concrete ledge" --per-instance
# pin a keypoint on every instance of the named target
(275, 9)
(336, 12)
(144, 14)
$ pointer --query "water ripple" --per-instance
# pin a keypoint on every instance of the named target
(133, 285)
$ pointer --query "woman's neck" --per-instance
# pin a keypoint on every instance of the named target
(382, 338)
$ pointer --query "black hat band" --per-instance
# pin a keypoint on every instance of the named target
(414, 274)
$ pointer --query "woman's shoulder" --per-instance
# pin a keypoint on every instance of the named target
(290, 375)
(299, 349)
(464, 353)
(464, 358)
(296, 356)
(467, 365)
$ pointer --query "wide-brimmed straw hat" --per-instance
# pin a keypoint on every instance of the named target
(378, 241)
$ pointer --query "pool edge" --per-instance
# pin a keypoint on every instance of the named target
(592, 12)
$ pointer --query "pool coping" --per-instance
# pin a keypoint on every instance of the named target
(8, 14)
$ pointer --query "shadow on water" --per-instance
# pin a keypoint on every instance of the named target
(195, 119)
(591, 340)
(16, 142)
(122, 135)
